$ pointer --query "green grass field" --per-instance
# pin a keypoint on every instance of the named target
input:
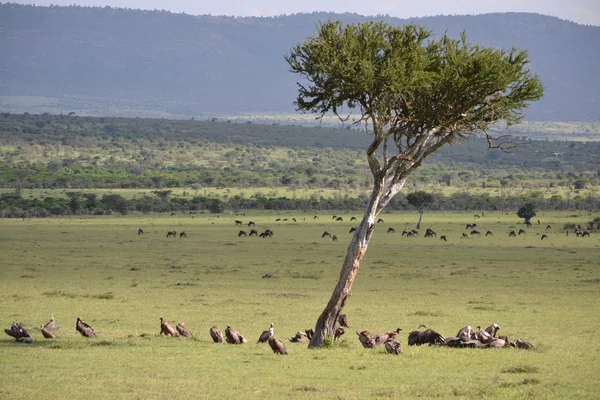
(546, 292)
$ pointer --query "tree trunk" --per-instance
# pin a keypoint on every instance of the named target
(420, 218)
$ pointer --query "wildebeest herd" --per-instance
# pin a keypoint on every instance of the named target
(466, 337)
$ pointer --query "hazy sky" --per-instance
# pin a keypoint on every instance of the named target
(580, 11)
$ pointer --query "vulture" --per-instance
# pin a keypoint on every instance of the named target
(233, 337)
(266, 334)
(216, 335)
(49, 330)
(499, 342)
(183, 330)
(482, 335)
(343, 321)
(167, 329)
(465, 334)
(493, 329)
(393, 347)
(427, 336)
(338, 333)
(277, 346)
(366, 339)
(309, 333)
(384, 337)
(85, 329)
(19, 333)
(300, 337)
(521, 344)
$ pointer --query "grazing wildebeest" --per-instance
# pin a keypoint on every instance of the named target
(352, 219)
(326, 233)
(405, 232)
(470, 226)
(339, 219)
(182, 234)
(266, 233)
(379, 221)
(242, 233)
(334, 217)
(277, 219)
(465, 235)
(548, 227)
(172, 214)
(285, 220)
(391, 230)
(476, 216)
(238, 222)
(140, 231)
(294, 219)
(585, 233)
(528, 223)
(251, 223)
(544, 236)
(430, 233)
(352, 229)
(512, 234)
(443, 237)
(253, 232)
(172, 233)
(475, 232)
(521, 231)
(334, 238)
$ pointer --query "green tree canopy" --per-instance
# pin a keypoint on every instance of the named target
(527, 211)
(412, 93)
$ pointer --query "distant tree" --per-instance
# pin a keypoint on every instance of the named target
(419, 200)
(527, 211)
(414, 94)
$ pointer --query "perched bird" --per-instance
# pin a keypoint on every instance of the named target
(393, 347)
(493, 329)
(300, 337)
(383, 337)
(19, 333)
(309, 333)
(216, 335)
(51, 325)
(277, 346)
(428, 336)
(343, 321)
(167, 329)
(49, 330)
(366, 339)
(266, 334)
(183, 330)
(482, 335)
(465, 333)
(338, 333)
(85, 329)
(233, 337)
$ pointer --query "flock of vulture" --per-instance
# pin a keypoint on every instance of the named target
(466, 337)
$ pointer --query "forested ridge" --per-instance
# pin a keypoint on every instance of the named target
(109, 61)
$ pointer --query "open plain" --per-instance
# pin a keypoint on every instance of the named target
(98, 268)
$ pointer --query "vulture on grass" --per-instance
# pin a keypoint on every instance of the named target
(465, 333)
(343, 321)
(183, 330)
(234, 337)
(216, 335)
(51, 325)
(384, 337)
(338, 333)
(266, 334)
(19, 333)
(85, 329)
(49, 330)
(277, 346)
(300, 337)
(167, 329)
(393, 347)
(366, 339)
(428, 336)
(521, 344)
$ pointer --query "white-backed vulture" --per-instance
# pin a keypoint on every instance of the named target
(183, 330)
(493, 329)
(393, 347)
(277, 346)
(167, 329)
(428, 336)
(85, 329)
(266, 334)
(384, 337)
(216, 335)
(366, 339)
(343, 321)
(234, 337)
(300, 337)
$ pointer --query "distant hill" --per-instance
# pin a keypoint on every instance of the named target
(107, 61)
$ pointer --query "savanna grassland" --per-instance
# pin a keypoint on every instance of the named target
(98, 268)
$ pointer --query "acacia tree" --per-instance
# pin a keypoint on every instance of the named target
(419, 200)
(413, 94)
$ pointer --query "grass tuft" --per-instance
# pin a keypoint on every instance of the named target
(521, 369)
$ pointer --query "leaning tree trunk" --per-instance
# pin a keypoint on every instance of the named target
(418, 226)
(356, 250)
